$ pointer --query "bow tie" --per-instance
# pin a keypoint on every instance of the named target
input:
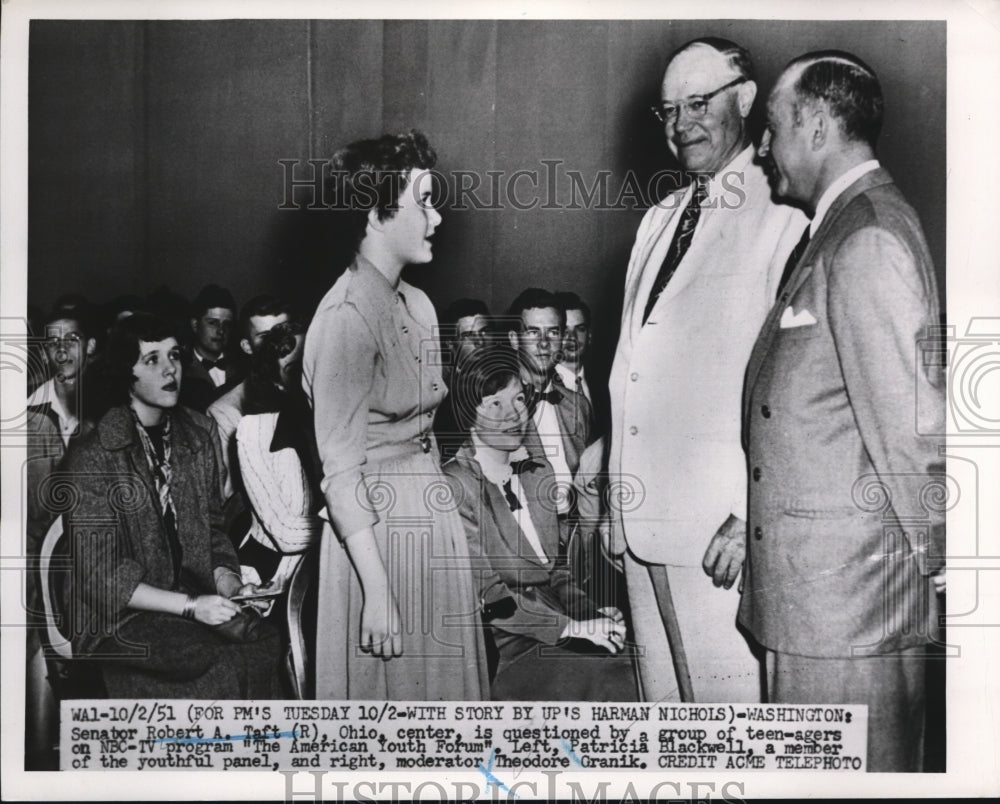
(525, 465)
(213, 364)
(553, 397)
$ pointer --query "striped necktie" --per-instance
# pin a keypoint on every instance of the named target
(680, 244)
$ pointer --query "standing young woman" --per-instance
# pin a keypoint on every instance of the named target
(398, 614)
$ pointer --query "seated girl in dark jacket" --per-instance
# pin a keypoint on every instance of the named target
(154, 572)
(554, 643)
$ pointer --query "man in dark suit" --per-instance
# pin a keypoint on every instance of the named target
(845, 529)
(211, 370)
(562, 416)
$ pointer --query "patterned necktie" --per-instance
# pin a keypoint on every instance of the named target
(160, 469)
(680, 243)
(793, 260)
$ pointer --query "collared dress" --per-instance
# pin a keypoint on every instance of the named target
(371, 369)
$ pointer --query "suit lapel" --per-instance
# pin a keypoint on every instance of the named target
(507, 524)
(803, 271)
(647, 273)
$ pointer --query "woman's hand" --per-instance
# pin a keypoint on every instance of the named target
(263, 605)
(227, 582)
(605, 632)
(214, 609)
(380, 627)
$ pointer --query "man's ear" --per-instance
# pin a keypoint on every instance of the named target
(746, 93)
(820, 123)
(512, 337)
(245, 346)
(373, 221)
(194, 324)
(91, 346)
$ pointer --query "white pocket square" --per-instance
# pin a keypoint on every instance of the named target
(790, 319)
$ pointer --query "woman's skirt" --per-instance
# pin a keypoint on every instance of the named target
(423, 546)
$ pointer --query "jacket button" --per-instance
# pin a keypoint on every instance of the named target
(756, 473)
(635, 376)
(765, 411)
(758, 534)
(634, 430)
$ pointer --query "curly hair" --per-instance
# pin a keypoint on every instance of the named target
(370, 175)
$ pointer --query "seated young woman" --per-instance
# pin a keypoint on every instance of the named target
(156, 581)
(554, 643)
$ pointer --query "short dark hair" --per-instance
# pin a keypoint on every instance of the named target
(123, 350)
(463, 308)
(568, 300)
(371, 174)
(849, 88)
(533, 299)
(212, 296)
(79, 313)
(259, 306)
(737, 57)
(487, 371)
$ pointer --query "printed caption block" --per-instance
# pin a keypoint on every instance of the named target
(379, 736)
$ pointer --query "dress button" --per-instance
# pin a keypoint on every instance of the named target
(634, 430)
(765, 411)
(756, 473)
(635, 376)
(758, 534)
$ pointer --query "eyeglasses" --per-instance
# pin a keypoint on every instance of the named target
(696, 106)
(67, 341)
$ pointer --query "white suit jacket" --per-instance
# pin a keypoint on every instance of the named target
(676, 382)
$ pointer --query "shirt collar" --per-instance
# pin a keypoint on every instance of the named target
(46, 394)
(202, 358)
(568, 375)
(738, 164)
(494, 469)
(374, 281)
(835, 189)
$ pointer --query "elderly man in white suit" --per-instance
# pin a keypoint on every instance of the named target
(703, 274)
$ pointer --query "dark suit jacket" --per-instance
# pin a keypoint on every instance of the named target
(117, 533)
(843, 523)
(198, 391)
(545, 595)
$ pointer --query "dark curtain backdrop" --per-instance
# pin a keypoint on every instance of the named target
(155, 147)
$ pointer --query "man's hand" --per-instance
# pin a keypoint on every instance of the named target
(723, 559)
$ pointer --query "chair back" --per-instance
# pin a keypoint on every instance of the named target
(301, 613)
